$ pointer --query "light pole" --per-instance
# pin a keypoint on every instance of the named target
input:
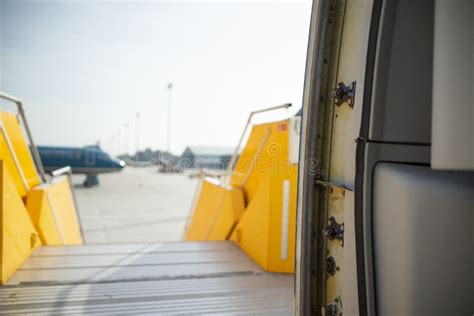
(118, 142)
(137, 135)
(168, 141)
(126, 139)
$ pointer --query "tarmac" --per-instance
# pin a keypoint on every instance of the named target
(135, 205)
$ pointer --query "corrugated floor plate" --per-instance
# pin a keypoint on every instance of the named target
(168, 278)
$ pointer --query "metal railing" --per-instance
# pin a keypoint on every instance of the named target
(34, 150)
(233, 160)
(255, 158)
(15, 158)
(38, 164)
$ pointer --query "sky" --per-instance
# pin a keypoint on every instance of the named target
(85, 69)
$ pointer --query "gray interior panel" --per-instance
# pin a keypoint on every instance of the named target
(423, 240)
(402, 97)
(453, 84)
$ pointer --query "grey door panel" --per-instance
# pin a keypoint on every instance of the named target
(423, 240)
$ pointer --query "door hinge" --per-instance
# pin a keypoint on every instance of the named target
(327, 184)
(345, 93)
(333, 230)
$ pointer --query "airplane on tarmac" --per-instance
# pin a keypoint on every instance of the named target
(89, 160)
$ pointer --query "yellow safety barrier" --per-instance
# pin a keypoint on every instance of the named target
(16, 153)
(31, 213)
(266, 147)
(18, 237)
(266, 176)
(266, 231)
(52, 210)
(216, 212)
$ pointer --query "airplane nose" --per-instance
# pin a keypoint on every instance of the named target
(118, 164)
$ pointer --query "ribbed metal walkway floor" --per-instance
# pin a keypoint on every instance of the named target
(169, 278)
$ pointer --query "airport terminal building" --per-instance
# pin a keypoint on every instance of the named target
(207, 157)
